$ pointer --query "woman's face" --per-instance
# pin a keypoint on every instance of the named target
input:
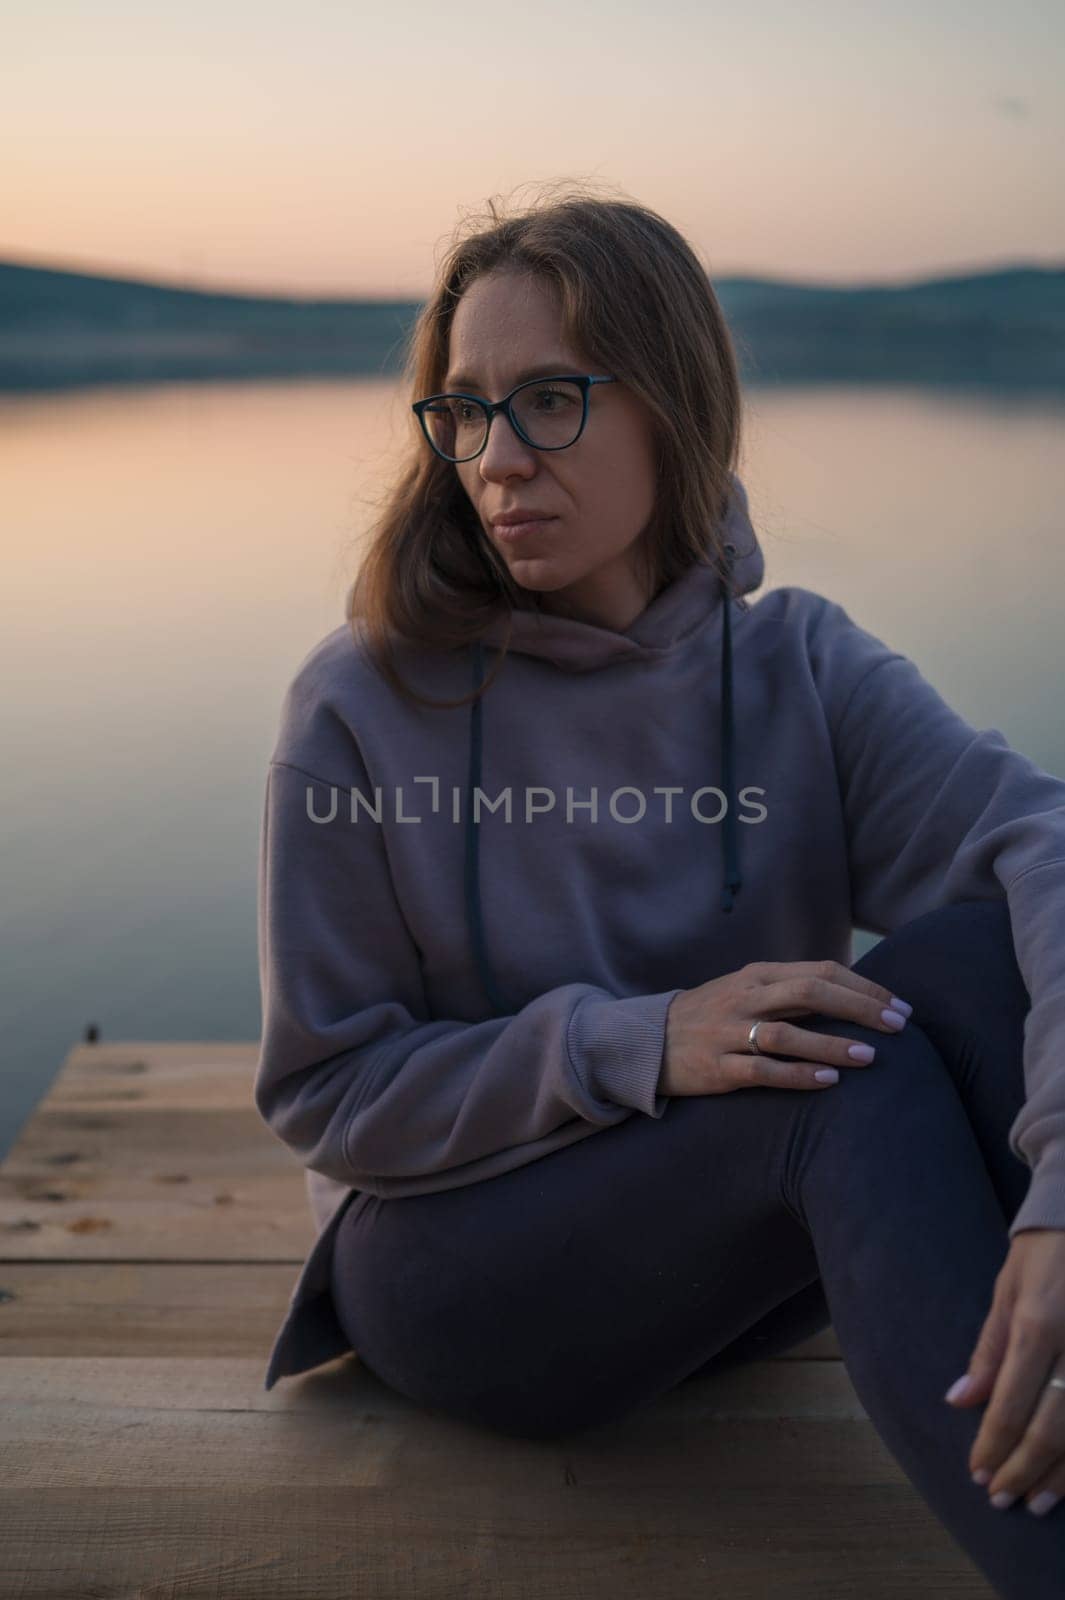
(598, 493)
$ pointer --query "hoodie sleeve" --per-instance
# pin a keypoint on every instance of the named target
(353, 1074)
(937, 811)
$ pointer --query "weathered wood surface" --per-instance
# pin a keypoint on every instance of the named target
(151, 1229)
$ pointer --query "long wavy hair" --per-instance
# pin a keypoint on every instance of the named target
(635, 298)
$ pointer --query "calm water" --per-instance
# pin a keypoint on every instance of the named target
(172, 553)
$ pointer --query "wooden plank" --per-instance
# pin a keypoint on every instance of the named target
(153, 1152)
(293, 1542)
(768, 1391)
(146, 1308)
(176, 1185)
(144, 1074)
(161, 1473)
(171, 1309)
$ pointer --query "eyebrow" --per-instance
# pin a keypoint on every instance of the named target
(543, 369)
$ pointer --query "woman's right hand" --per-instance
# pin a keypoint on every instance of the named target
(707, 1050)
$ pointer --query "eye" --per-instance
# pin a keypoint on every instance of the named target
(565, 396)
(456, 408)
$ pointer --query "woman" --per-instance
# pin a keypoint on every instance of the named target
(555, 926)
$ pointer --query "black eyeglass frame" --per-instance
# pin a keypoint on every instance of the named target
(490, 407)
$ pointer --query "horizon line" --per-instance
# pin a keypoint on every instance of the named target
(138, 278)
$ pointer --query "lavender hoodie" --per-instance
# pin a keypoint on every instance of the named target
(445, 999)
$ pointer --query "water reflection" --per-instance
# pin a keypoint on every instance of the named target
(172, 553)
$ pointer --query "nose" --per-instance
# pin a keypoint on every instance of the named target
(505, 453)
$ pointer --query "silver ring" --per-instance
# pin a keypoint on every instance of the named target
(752, 1036)
(1056, 1383)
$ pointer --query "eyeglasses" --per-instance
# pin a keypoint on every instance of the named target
(547, 413)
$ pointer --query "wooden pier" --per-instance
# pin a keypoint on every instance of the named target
(151, 1231)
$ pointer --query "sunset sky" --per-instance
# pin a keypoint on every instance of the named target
(330, 148)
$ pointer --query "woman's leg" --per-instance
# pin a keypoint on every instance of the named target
(956, 965)
(571, 1290)
(567, 1292)
(958, 969)
(910, 1222)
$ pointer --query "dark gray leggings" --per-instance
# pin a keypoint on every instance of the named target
(570, 1291)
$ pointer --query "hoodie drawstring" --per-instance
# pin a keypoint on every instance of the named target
(473, 892)
(729, 838)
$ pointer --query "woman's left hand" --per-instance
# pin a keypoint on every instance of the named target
(1021, 1442)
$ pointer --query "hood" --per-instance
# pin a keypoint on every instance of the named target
(683, 606)
(688, 603)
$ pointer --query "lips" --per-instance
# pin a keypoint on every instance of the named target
(520, 530)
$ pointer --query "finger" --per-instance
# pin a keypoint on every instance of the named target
(768, 972)
(801, 996)
(1020, 1388)
(1040, 1453)
(801, 1044)
(1047, 1491)
(782, 1038)
(989, 1352)
(751, 1071)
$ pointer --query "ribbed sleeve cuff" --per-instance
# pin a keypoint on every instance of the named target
(1044, 1204)
(616, 1047)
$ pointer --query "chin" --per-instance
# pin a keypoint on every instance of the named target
(536, 572)
(521, 570)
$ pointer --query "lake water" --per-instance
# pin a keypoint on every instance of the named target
(172, 553)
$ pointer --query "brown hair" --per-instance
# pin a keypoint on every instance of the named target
(635, 298)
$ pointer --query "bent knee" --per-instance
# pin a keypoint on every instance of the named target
(950, 959)
(906, 1063)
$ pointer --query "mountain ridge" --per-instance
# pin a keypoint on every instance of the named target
(1003, 326)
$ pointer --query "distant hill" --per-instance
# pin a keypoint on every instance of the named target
(59, 329)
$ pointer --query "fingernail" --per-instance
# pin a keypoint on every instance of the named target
(981, 1476)
(894, 1019)
(958, 1388)
(900, 1005)
(1041, 1503)
(861, 1052)
(1003, 1499)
